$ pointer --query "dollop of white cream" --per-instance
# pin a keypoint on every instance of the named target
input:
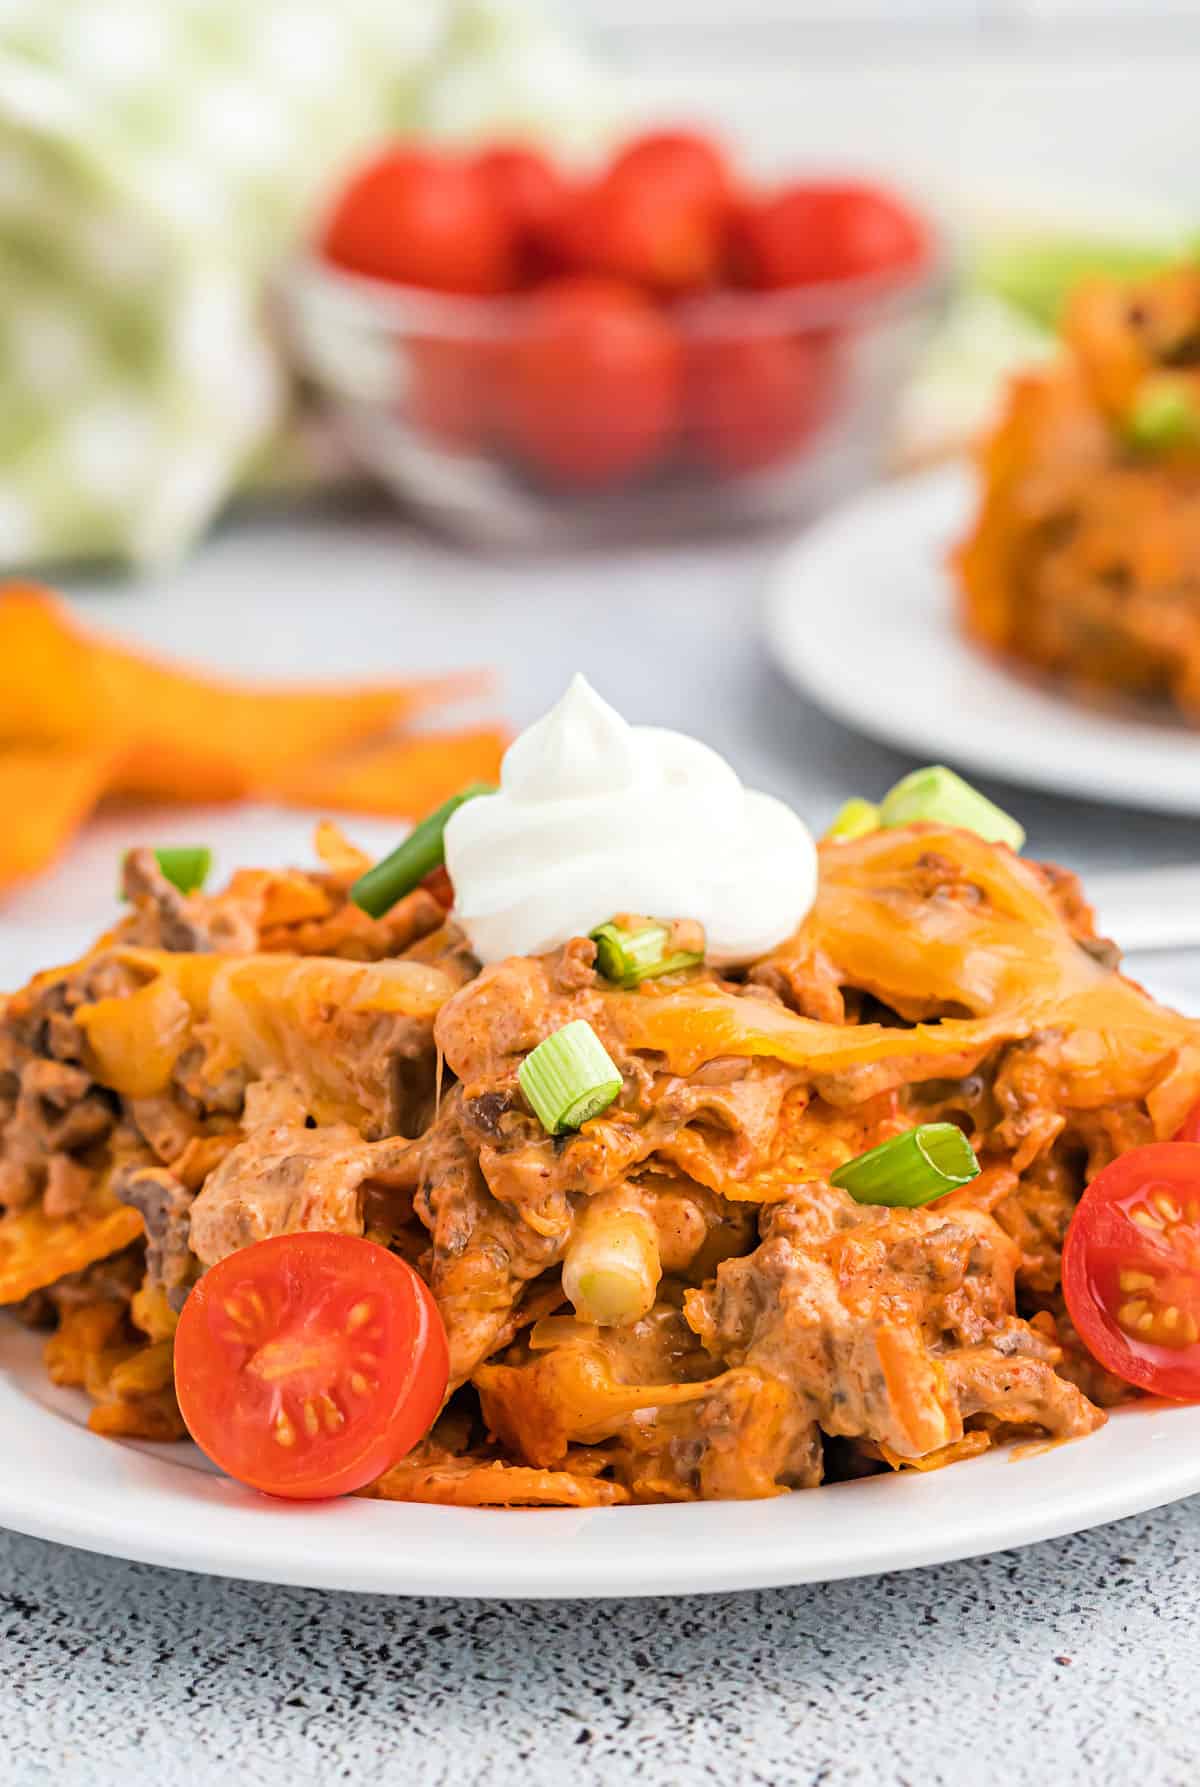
(596, 817)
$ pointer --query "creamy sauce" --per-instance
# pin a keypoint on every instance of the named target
(595, 817)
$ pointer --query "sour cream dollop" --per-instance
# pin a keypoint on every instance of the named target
(595, 817)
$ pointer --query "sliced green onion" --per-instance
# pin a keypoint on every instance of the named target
(629, 956)
(937, 794)
(1163, 416)
(569, 1077)
(612, 1266)
(186, 866)
(423, 850)
(856, 819)
(911, 1169)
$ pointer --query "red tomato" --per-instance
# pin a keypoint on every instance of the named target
(823, 230)
(448, 393)
(755, 401)
(440, 886)
(423, 220)
(591, 388)
(527, 189)
(307, 1364)
(657, 217)
(1131, 1268)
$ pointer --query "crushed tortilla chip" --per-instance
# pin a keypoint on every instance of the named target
(344, 862)
(148, 1418)
(81, 1335)
(971, 1445)
(36, 1251)
(472, 1483)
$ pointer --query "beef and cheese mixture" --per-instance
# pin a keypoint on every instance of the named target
(269, 1059)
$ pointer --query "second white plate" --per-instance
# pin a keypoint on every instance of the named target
(860, 616)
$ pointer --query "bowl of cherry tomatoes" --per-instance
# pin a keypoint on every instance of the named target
(533, 356)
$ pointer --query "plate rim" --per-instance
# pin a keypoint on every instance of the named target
(932, 505)
(61, 1483)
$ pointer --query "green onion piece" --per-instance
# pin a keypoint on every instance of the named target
(628, 957)
(612, 1265)
(423, 850)
(910, 1169)
(569, 1077)
(937, 794)
(186, 866)
(1163, 416)
(856, 819)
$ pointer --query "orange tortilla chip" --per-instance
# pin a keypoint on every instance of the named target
(470, 1483)
(407, 777)
(36, 1251)
(45, 794)
(182, 734)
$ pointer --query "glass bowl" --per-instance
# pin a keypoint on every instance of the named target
(782, 401)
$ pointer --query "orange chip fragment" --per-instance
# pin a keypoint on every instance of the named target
(407, 777)
(81, 717)
(472, 1483)
(46, 792)
(36, 1251)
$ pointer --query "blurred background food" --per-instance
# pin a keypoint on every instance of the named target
(1083, 561)
(285, 280)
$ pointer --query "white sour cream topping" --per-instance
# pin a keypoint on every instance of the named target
(596, 817)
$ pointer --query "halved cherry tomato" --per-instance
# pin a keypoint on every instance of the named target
(306, 1365)
(528, 189)
(591, 387)
(753, 402)
(821, 230)
(657, 216)
(423, 220)
(1131, 1268)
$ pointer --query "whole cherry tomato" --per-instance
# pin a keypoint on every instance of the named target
(591, 386)
(449, 394)
(824, 230)
(657, 216)
(306, 1365)
(423, 220)
(1131, 1268)
(754, 401)
(530, 191)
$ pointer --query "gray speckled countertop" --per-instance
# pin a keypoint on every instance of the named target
(1071, 1664)
(1074, 1662)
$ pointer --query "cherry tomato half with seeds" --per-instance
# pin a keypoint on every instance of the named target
(1131, 1268)
(307, 1364)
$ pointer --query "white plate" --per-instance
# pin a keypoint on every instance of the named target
(860, 616)
(165, 1505)
(162, 1505)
